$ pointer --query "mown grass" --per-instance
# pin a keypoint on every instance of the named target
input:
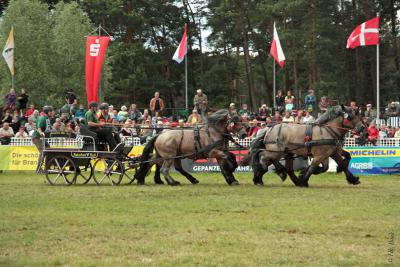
(210, 224)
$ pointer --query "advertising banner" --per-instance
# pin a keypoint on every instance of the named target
(211, 165)
(25, 158)
(374, 160)
(18, 158)
(365, 160)
(96, 47)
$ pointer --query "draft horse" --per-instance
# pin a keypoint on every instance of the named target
(320, 140)
(208, 141)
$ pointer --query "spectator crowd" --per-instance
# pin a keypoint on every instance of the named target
(20, 120)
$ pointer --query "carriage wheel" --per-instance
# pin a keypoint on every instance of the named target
(85, 173)
(108, 170)
(130, 171)
(60, 170)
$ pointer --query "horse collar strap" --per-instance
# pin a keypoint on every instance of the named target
(197, 141)
(309, 132)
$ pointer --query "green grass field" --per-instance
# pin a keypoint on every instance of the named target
(210, 224)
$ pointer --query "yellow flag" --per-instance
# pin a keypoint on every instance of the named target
(8, 51)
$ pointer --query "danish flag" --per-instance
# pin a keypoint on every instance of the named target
(276, 49)
(364, 34)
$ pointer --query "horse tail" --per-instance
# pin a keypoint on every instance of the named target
(145, 165)
(253, 156)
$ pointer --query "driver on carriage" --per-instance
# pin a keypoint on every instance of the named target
(104, 117)
(43, 126)
(98, 129)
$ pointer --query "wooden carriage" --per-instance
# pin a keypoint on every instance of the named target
(77, 161)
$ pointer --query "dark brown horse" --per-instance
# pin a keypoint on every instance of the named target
(320, 140)
(208, 141)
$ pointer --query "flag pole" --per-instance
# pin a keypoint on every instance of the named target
(13, 74)
(377, 84)
(186, 84)
(273, 97)
(100, 93)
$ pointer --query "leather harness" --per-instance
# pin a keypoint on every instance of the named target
(308, 138)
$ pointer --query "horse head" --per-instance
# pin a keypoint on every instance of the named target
(236, 126)
(352, 119)
(224, 123)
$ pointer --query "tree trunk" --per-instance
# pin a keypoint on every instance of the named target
(266, 82)
(295, 79)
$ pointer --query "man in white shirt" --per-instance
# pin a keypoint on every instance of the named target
(6, 132)
(308, 118)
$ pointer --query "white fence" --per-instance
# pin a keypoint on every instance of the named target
(135, 141)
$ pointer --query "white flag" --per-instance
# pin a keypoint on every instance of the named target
(276, 49)
(8, 51)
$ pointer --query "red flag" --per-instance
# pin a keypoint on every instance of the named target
(96, 47)
(276, 49)
(364, 34)
(181, 51)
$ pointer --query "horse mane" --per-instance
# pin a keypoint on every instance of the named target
(218, 117)
(330, 114)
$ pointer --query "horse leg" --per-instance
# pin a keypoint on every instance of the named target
(346, 160)
(227, 169)
(259, 169)
(324, 168)
(142, 172)
(351, 179)
(165, 171)
(290, 171)
(178, 167)
(157, 176)
(307, 173)
(280, 170)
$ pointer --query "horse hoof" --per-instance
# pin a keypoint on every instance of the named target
(195, 181)
(356, 181)
(234, 183)
(259, 183)
(302, 184)
(140, 182)
(283, 176)
(174, 183)
(158, 182)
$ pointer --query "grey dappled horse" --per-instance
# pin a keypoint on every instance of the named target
(202, 142)
(320, 140)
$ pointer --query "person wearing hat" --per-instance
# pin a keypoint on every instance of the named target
(195, 118)
(123, 113)
(253, 128)
(200, 102)
(244, 111)
(232, 108)
(370, 113)
(263, 112)
(393, 114)
(43, 127)
(43, 124)
(103, 116)
(97, 127)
